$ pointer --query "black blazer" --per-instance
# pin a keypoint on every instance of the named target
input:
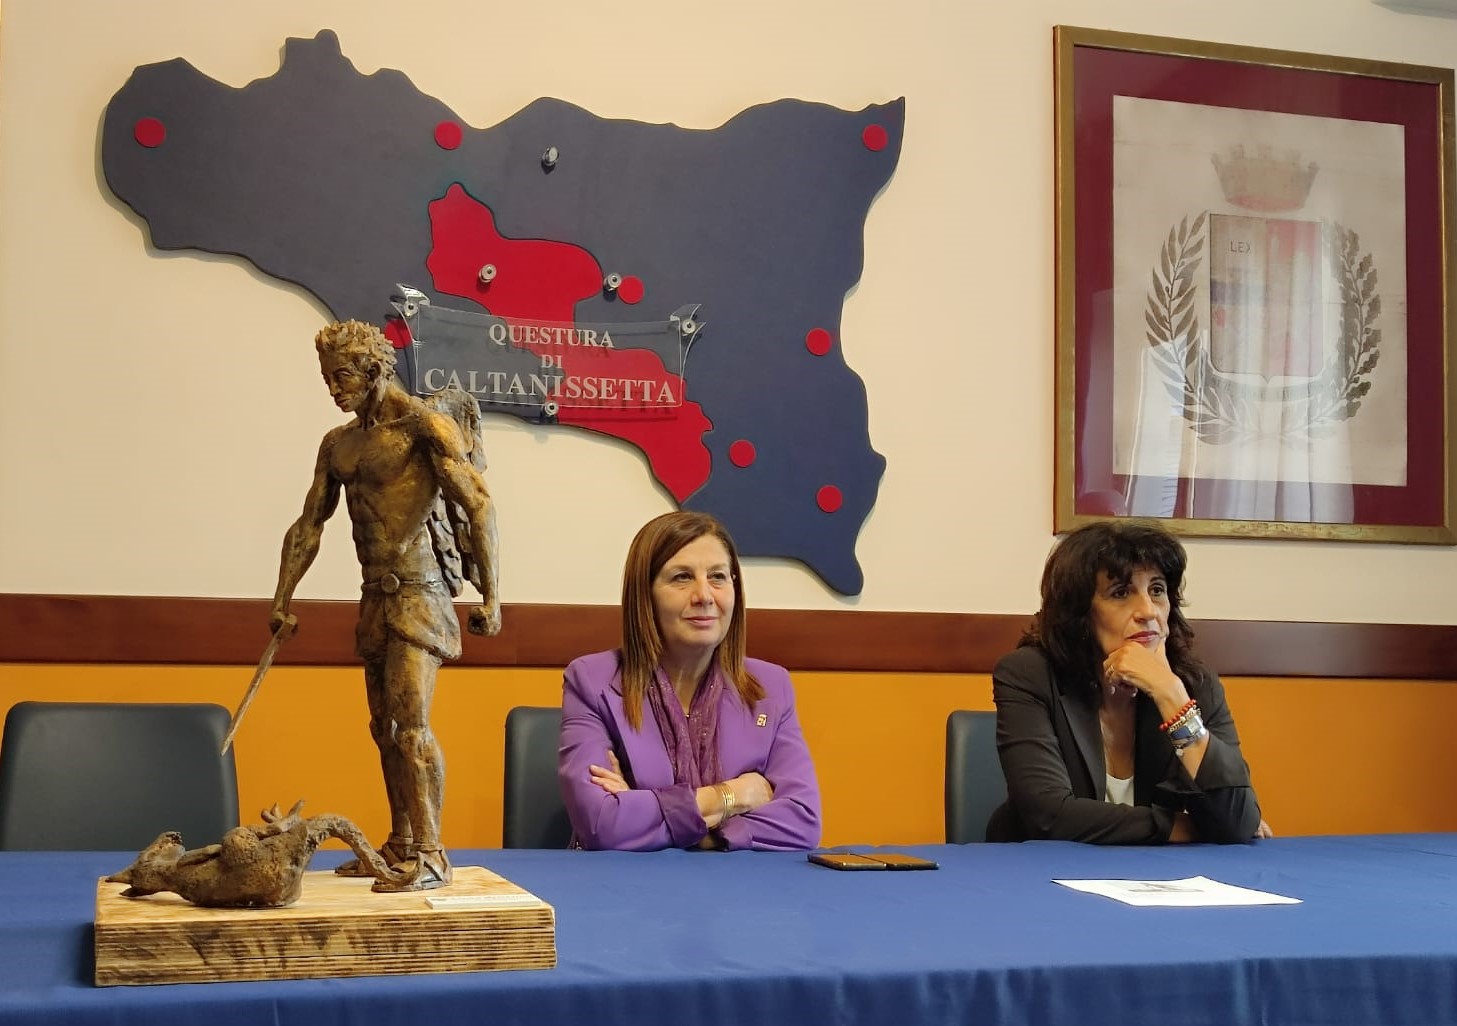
(1051, 748)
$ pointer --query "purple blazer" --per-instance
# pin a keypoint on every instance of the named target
(656, 812)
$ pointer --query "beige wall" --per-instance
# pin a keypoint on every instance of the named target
(116, 482)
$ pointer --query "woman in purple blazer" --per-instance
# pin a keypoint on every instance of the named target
(677, 740)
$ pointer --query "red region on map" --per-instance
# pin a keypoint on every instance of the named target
(542, 280)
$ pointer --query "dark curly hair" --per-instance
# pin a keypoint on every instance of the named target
(1062, 627)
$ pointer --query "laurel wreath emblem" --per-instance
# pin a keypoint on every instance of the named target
(1220, 409)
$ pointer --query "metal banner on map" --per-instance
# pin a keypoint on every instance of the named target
(534, 369)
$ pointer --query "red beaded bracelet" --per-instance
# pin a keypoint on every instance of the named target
(1164, 726)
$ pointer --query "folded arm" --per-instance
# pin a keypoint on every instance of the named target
(1218, 797)
(630, 819)
(790, 820)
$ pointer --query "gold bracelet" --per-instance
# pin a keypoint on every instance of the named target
(726, 795)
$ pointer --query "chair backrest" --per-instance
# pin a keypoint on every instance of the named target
(974, 782)
(533, 814)
(103, 776)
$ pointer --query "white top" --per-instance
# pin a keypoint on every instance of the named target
(1119, 792)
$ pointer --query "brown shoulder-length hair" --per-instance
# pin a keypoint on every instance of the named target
(658, 541)
(1062, 626)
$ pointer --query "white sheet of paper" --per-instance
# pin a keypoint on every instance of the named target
(1194, 892)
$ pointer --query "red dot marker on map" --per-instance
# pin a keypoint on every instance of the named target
(829, 498)
(447, 135)
(818, 341)
(631, 290)
(742, 453)
(875, 137)
(150, 132)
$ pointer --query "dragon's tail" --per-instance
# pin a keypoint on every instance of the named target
(321, 827)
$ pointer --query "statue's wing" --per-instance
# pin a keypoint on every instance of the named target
(449, 524)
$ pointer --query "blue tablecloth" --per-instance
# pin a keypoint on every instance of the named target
(706, 938)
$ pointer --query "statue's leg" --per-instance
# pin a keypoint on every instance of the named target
(400, 845)
(410, 685)
(384, 728)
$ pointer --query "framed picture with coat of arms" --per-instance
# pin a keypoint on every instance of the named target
(1254, 262)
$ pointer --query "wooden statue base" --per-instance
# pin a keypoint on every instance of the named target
(338, 927)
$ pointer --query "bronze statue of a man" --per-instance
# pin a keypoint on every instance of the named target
(410, 470)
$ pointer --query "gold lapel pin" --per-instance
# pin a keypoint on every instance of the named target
(762, 721)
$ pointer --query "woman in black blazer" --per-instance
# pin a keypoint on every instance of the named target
(1108, 729)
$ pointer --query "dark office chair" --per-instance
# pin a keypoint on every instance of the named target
(974, 782)
(102, 776)
(532, 812)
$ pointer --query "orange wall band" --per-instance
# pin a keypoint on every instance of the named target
(877, 741)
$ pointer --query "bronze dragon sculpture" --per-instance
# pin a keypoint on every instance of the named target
(253, 866)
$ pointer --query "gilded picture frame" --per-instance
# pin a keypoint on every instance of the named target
(1254, 265)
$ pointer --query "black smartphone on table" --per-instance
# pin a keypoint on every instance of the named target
(844, 860)
(896, 860)
(880, 860)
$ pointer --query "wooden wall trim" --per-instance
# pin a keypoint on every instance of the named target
(204, 631)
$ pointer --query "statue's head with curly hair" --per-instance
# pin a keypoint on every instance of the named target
(356, 341)
(354, 357)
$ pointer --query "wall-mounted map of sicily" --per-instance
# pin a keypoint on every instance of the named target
(680, 289)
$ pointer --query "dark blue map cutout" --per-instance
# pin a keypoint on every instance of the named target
(323, 177)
